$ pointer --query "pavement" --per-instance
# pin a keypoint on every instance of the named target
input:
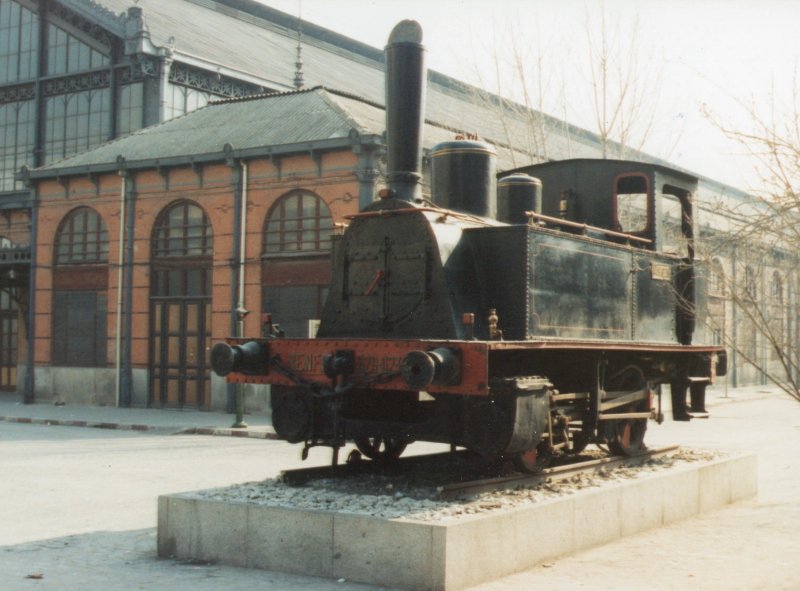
(95, 532)
(184, 422)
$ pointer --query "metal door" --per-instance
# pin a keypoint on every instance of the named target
(9, 317)
(180, 370)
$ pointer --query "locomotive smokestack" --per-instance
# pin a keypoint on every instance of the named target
(405, 112)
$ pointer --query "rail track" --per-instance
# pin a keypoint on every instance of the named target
(461, 474)
(466, 489)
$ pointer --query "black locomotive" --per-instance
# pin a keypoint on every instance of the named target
(518, 318)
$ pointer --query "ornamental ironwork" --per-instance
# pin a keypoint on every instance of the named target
(131, 72)
(67, 84)
(18, 93)
(140, 67)
(211, 82)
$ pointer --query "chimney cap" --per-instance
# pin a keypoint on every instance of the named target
(407, 31)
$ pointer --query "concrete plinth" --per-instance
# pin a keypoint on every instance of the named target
(447, 555)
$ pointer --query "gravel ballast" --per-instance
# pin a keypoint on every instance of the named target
(393, 498)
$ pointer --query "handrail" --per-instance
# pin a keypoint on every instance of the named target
(585, 227)
(445, 213)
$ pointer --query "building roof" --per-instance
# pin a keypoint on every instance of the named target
(289, 120)
(247, 39)
(242, 37)
(311, 119)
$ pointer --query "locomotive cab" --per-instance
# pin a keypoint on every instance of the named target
(646, 210)
(647, 201)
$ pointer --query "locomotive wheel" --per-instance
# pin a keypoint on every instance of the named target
(626, 436)
(381, 449)
(534, 460)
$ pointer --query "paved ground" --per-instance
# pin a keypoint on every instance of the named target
(78, 504)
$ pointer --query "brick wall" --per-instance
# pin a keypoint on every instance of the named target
(331, 176)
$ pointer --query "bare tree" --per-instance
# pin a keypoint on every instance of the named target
(523, 88)
(623, 92)
(752, 309)
(605, 80)
(758, 246)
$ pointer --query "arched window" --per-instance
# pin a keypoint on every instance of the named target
(183, 230)
(296, 266)
(80, 283)
(750, 285)
(717, 277)
(180, 307)
(298, 222)
(82, 238)
(776, 335)
(776, 288)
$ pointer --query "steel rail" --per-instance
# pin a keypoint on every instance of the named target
(548, 475)
(398, 467)
(465, 488)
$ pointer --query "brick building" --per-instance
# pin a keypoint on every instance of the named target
(176, 251)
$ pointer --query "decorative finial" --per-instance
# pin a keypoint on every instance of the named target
(298, 73)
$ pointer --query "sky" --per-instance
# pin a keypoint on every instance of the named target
(694, 57)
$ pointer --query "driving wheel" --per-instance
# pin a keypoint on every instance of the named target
(625, 437)
(381, 448)
(534, 460)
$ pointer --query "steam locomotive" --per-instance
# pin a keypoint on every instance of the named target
(519, 319)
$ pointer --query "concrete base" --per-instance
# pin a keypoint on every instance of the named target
(443, 555)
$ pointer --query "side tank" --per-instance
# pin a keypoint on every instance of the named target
(547, 284)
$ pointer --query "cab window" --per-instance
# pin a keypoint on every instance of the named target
(630, 203)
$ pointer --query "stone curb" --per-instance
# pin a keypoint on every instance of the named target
(79, 423)
(223, 432)
(229, 432)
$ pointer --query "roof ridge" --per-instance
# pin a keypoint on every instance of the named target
(351, 95)
(343, 112)
(263, 95)
(280, 93)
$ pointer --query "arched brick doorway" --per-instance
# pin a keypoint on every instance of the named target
(9, 330)
(80, 284)
(180, 307)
